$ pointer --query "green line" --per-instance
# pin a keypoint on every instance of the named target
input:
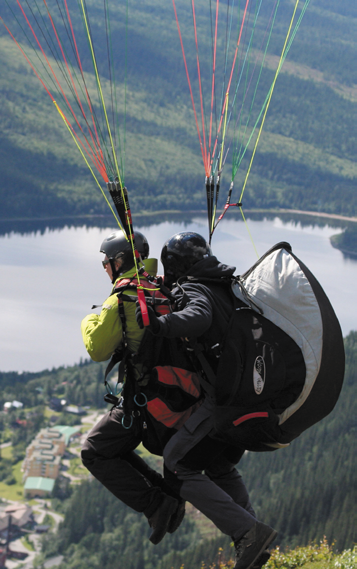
(237, 165)
(106, 148)
(238, 153)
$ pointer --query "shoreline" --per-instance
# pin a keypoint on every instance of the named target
(180, 212)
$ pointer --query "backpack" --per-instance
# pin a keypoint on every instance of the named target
(281, 366)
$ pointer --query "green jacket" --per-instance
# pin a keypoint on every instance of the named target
(102, 333)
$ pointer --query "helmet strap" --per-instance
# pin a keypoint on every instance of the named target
(115, 272)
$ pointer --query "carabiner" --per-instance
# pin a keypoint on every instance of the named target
(123, 424)
(141, 404)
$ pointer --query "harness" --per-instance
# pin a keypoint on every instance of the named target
(128, 359)
(164, 391)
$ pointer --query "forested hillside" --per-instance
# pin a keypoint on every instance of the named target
(306, 491)
(306, 158)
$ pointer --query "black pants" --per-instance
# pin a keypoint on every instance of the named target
(204, 469)
(108, 453)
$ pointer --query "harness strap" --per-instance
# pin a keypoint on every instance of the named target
(198, 349)
(208, 386)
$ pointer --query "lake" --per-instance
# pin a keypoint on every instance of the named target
(50, 279)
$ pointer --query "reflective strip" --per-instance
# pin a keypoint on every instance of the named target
(250, 416)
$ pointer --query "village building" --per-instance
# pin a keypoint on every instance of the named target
(43, 459)
(38, 486)
(16, 515)
(12, 404)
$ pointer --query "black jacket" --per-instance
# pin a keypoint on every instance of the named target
(204, 310)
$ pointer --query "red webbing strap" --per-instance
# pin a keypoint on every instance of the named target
(143, 306)
(262, 414)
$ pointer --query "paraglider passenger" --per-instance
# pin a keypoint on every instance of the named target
(108, 452)
(205, 467)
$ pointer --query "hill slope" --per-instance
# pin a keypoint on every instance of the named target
(306, 491)
(306, 158)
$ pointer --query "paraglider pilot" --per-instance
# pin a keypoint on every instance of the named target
(205, 467)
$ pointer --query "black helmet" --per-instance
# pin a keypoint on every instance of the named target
(117, 247)
(182, 251)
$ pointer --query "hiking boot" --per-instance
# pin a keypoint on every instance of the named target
(250, 547)
(177, 517)
(160, 520)
(262, 560)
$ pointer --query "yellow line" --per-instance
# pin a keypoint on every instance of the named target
(86, 161)
(101, 94)
(110, 136)
(268, 103)
(250, 235)
(224, 131)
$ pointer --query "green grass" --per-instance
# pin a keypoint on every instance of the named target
(86, 427)
(6, 452)
(27, 543)
(48, 413)
(6, 435)
(48, 520)
(314, 556)
(13, 491)
(76, 468)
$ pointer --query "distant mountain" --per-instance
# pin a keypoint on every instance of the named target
(306, 158)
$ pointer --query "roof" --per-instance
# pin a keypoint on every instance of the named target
(68, 432)
(50, 434)
(16, 404)
(20, 513)
(39, 483)
(17, 506)
(76, 409)
(43, 456)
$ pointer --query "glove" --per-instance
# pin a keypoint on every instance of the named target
(154, 326)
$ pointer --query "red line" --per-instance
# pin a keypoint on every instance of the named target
(190, 87)
(200, 86)
(94, 159)
(102, 171)
(70, 76)
(85, 86)
(213, 76)
(231, 75)
(28, 61)
(250, 416)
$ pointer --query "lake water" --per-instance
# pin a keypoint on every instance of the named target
(50, 280)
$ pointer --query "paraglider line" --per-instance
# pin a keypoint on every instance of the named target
(100, 158)
(86, 161)
(213, 78)
(190, 88)
(269, 99)
(55, 77)
(83, 78)
(231, 75)
(101, 92)
(200, 86)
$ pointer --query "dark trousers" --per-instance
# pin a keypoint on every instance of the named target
(108, 453)
(206, 475)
